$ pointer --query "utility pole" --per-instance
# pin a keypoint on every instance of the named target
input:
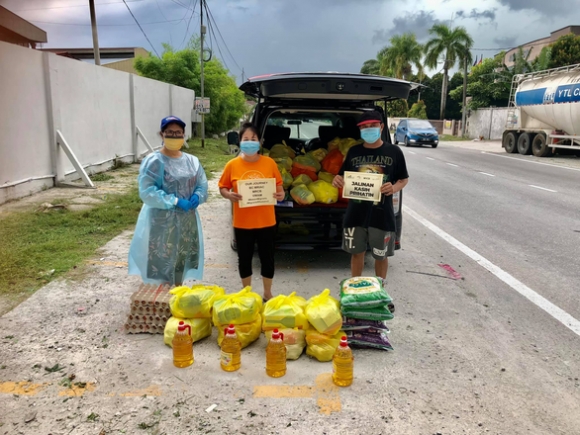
(243, 76)
(95, 35)
(202, 33)
(464, 108)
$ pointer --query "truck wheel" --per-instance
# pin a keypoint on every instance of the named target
(510, 143)
(524, 144)
(539, 146)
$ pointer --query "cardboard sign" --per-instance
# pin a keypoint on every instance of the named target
(258, 191)
(362, 186)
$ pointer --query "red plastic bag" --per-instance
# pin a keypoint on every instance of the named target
(298, 169)
(333, 162)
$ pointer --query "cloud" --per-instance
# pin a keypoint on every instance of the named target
(546, 7)
(475, 14)
(506, 41)
(418, 23)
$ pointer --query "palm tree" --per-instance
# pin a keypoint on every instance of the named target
(377, 66)
(403, 53)
(454, 44)
(371, 66)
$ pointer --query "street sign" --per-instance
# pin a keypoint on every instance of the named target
(202, 105)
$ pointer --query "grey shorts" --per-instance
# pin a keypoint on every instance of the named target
(382, 243)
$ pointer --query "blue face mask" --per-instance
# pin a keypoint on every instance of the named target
(370, 135)
(250, 147)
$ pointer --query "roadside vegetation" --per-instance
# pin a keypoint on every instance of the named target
(40, 245)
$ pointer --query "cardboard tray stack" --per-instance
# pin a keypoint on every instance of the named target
(149, 309)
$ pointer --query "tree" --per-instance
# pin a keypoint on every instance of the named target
(397, 109)
(403, 53)
(565, 51)
(486, 86)
(371, 66)
(453, 44)
(182, 68)
(542, 62)
(418, 110)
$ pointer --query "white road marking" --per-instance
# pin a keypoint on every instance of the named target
(542, 188)
(530, 161)
(553, 310)
(429, 158)
(451, 164)
(489, 175)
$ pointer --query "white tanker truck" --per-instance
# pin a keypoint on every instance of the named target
(544, 112)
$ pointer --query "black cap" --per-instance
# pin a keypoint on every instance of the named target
(369, 117)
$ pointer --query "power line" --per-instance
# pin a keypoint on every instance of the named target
(210, 25)
(220, 33)
(188, 23)
(141, 28)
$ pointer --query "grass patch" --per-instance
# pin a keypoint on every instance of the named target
(38, 247)
(450, 138)
(101, 176)
(213, 157)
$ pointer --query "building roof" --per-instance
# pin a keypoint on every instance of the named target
(16, 30)
(105, 53)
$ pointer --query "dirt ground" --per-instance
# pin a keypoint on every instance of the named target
(465, 362)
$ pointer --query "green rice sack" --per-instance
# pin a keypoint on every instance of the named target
(375, 313)
(363, 292)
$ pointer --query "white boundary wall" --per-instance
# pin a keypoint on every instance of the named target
(488, 123)
(97, 110)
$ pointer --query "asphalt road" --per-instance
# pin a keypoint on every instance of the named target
(520, 214)
(471, 354)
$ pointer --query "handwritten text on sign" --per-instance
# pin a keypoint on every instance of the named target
(259, 191)
(363, 186)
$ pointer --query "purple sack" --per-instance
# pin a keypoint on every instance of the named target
(350, 324)
(374, 338)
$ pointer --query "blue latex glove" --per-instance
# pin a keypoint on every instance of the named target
(184, 205)
(194, 200)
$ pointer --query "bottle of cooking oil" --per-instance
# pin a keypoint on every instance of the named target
(182, 346)
(276, 355)
(342, 364)
(231, 355)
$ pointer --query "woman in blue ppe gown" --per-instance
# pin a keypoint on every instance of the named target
(167, 247)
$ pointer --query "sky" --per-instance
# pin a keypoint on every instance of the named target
(269, 36)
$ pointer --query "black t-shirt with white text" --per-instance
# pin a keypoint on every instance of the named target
(387, 160)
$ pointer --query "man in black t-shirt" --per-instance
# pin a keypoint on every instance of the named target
(366, 221)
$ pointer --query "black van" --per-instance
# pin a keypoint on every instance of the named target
(306, 111)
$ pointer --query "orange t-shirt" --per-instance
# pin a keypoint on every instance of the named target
(261, 216)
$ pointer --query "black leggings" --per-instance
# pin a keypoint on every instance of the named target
(245, 240)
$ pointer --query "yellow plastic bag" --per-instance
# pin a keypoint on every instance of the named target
(333, 144)
(307, 160)
(318, 154)
(294, 340)
(282, 150)
(302, 195)
(285, 312)
(326, 176)
(322, 346)
(301, 179)
(324, 192)
(347, 143)
(284, 162)
(247, 332)
(286, 178)
(237, 308)
(323, 313)
(200, 328)
(194, 302)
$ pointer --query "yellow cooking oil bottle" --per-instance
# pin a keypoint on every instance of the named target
(231, 354)
(276, 355)
(182, 346)
(342, 364)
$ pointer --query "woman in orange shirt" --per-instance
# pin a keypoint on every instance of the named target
(252, 224)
